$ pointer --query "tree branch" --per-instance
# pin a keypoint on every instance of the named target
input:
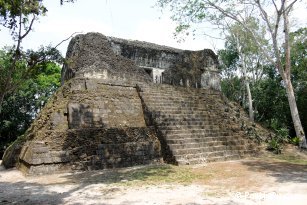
(288, 8)
(66, 39)
(29, 29)
(227, 14)
(273, 1)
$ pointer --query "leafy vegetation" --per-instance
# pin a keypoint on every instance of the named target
(269, 96)
(275, 143)
(19, 108)
(28, 78)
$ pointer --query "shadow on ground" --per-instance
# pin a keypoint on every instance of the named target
(80, 187)
(282, 171)
(133, 174)
(23, 192)
(28, 193)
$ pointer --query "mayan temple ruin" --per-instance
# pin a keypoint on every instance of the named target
(124, 103)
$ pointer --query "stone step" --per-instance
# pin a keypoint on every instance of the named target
(190, 145)
(169, 99)
(181, 113)
(186, 144)
(195, 125)
(182, 110)
(193, 143)
(205, 155)
(200, 138)
(213, 156)
(181, 97)
(207, 149)
(194, 161)
(194, 132)
(184, 117)
(166, 122)
(178, 99)
(206, 125)
(206, 128)
(179, 88)
(172, 105)
(172, 124)
(170, 90)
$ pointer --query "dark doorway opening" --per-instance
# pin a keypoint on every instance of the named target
(149, 72)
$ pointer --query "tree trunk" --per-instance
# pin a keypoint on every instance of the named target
(249, 94)
(250, 102)
(1, 101)
(286, 75)
(295, 115)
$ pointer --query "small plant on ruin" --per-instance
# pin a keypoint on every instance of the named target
(275, 143)
(295, 141)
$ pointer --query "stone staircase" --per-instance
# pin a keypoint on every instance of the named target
(193, 125)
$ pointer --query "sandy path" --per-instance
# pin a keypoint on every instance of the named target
(236, 182)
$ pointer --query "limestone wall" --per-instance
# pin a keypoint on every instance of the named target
(98, 105)
(170, 65)
(94, 55)
(89, 124)
(91, 56)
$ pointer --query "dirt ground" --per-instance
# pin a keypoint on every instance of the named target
(269, 179)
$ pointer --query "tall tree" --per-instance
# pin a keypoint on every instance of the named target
(187, 12)
(298, 40)
(20, 107)
(19, 17)
(246, 64)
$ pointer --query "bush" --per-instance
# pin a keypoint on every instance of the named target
(295, 141)
(275, 143)
(274, 146)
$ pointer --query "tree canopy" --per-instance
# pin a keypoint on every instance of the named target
(19, 108)
(28, 77)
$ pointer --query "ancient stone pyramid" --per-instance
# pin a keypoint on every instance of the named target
(124, 103)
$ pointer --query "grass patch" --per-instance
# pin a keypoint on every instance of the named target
(141, 175)
(293, 159)
(291, 154)
(159, 174)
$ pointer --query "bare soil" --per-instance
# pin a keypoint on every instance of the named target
(270, 179)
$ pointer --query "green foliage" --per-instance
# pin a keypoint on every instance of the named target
(270, 98)
(18, 15)
(274, 146)
(6, 60)
(233, 88)
(295, 141)
(16, 12)
(231, 83)
(275, 143)
(28, 78)
(299, 71)
(20, 107)
(14, 73)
